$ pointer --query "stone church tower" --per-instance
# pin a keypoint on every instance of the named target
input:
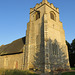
(45, 47)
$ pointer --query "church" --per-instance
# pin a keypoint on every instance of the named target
(43, 48)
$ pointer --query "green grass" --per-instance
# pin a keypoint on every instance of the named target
(15, 72)
(68, 73)
(73, 68)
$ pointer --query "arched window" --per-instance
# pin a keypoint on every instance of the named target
(55, 49)
(37, 15)
(52, 16)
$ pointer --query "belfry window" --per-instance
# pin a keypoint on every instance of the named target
(52, 15)
(37, 15)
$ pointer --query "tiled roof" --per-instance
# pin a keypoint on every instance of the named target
(14, 47)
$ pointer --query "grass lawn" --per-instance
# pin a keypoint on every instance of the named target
(15, 72)
(68, 73)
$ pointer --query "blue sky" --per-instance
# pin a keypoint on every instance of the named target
(14, 15)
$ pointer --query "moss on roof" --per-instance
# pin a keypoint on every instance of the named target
(14, 47)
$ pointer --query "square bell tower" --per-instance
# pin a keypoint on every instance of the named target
(45, 48)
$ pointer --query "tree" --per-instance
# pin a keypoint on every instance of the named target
(73, 46)
(69, 46)
(71, 49)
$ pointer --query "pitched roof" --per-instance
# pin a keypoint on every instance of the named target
(14, 47)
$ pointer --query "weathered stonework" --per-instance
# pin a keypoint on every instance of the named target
(12, 61)
(45, 40)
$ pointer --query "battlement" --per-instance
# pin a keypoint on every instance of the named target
(43, 3)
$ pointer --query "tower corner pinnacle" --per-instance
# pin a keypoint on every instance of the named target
(45, 1)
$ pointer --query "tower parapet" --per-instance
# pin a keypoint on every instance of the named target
(43, 3)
